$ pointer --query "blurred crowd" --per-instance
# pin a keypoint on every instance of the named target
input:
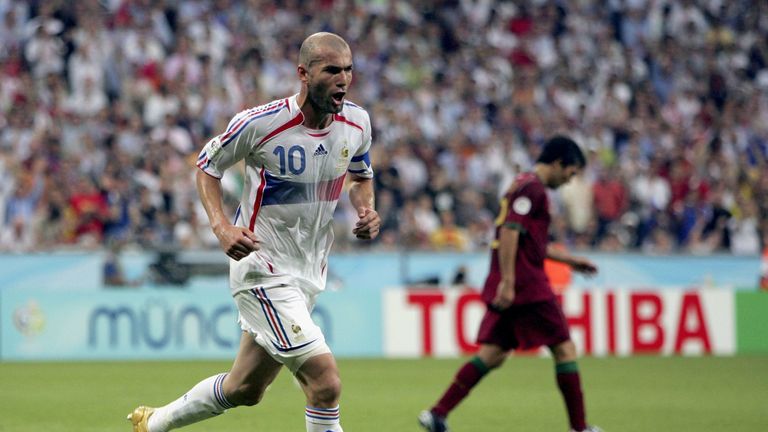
(105, 104)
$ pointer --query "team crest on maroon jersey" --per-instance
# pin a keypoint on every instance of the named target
(522, 205)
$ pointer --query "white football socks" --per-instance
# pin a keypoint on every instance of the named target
(204, 400)
(322, 419)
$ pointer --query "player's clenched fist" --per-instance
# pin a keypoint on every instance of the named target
(237, 242)
(368, 224)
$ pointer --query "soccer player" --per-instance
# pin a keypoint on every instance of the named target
(297, 153)
(522, 309)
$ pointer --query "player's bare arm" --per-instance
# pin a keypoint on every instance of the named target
(577, 263)
(237, 242)
(508, 242)
(362, 198)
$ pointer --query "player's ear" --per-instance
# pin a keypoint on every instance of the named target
(302, 72)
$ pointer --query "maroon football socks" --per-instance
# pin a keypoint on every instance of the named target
(467, 377)
(570, 386)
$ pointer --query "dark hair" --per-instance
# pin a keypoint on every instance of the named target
(563, 149)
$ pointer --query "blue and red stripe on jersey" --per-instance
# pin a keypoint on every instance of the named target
(279, 191)
(295, 121)
(259, 198)
(202, 160)
(239, 124)
(341, 118)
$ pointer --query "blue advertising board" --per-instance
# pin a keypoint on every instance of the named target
(160, 324)
(54, 306)
(117, 325)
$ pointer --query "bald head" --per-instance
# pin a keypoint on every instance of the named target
(315, 46)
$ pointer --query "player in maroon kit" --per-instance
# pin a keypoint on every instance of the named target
(522, 309)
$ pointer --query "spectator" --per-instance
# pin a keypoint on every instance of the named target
(87, 101)
(743, 230)
(610, 198)
(668, 99)
(45, 50)
(160, 104)
(90, 211)
(426, 219)
(21, 211)
(86, 68)
(448, 236)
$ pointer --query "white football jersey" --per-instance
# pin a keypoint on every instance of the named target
(293, 178)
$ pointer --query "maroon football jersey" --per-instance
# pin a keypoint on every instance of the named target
(524, 207)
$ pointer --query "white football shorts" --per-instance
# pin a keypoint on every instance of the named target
(279, 320)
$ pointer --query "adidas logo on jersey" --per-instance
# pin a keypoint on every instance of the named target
(320, 151)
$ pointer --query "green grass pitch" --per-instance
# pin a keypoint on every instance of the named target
(638, 394)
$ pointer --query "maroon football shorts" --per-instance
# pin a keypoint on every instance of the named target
(524, 326)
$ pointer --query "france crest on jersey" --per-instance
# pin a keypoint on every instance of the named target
(293, 178)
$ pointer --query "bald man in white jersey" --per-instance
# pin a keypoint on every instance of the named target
(298, 151)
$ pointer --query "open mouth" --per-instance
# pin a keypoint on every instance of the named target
(338, 97)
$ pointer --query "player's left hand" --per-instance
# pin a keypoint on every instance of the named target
(583, 265)
(368, 224)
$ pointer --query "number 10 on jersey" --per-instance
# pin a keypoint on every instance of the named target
(295, 156)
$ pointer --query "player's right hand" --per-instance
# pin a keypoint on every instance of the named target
(505, 295)
(237, 242)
